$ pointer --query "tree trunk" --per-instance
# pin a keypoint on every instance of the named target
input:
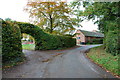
(51, 24)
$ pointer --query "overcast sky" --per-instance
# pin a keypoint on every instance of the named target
(14, 9)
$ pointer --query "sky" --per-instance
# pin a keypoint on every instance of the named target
(14, 9)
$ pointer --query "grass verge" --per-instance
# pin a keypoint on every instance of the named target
(105, 60)
(28, 46)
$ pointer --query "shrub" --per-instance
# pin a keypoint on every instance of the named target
(112, 42)
(11, 43)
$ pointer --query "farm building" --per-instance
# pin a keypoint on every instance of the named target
(83, 36)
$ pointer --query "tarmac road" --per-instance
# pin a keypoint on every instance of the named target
(72, 63)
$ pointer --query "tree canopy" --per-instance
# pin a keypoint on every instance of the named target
(52, 17)
(107, 16)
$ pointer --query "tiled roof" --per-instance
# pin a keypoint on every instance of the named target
(92, 34)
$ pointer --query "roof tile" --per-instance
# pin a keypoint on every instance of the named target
(92, 34)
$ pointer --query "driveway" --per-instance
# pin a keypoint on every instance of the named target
(69, 63)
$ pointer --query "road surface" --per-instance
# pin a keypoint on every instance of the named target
(70, 63)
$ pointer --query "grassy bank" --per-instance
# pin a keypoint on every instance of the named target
(28, 46)
(106, 60)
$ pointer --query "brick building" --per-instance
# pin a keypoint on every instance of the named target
(83, 36)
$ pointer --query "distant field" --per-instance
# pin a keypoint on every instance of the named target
(28, 46)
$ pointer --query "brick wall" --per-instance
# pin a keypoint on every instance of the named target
(81, 35)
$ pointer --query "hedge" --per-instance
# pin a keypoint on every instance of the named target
(45, 41)
(11, 40)
(11, 43)
(112, 42)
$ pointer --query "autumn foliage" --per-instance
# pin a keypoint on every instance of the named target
(52, 17)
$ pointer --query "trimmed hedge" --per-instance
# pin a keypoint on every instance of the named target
(11, 43)
(45, 41)
(11, 40)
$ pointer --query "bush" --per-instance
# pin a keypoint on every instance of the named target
(11, 43)
(95, 41)
(112, 42)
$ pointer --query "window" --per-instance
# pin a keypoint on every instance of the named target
(78, 37)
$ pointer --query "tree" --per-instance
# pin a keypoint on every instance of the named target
(108, 19)
(76, 11)
(52, 17)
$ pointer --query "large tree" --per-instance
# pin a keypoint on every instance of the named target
(52, 17)
(107, 16)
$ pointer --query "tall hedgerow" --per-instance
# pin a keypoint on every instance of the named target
(45, 41)
(11, 43)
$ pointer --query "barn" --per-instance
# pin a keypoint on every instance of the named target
(83, 36)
